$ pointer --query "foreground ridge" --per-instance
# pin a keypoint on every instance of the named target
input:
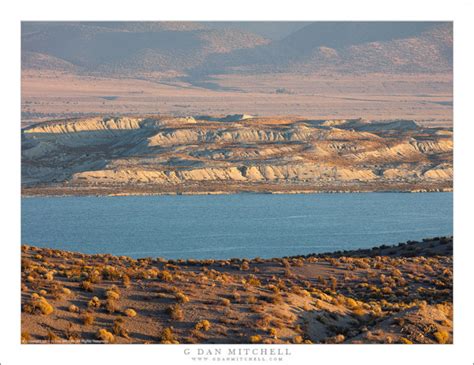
(388, 294)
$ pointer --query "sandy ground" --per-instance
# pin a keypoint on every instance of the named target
(399, 294)
(425, 98)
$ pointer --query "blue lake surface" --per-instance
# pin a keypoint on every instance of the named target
(226, 226)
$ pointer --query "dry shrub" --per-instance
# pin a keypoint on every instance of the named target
(119, 328)
(351, 303)
(264, 321)
(253, 281)
(358, 312)
(361, 263)
(87, 286)
(175, 312)
(298, 339)
(396, 273)
(94, 303)
(161, 295)
(105, 336)
(277, 298)
(300, 291)
(224, 301)
(73, 308)
(110, 273)
(441, 336)
(336, 339)
(129, 312)
(181, 297)
(245, 266)
(168, 337)
(49, 276)
(236, 296)
(165, 275)
(275, 289)
(111, 306)
(38, 304)
(25, 337)
(88, 318)
(204, 325)
(298, 262)
(94, 277)
(257, 308)
(112, 294)
(255, 339)
(251, 299)
(125, 280)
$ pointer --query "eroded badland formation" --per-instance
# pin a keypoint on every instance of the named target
(111, 137)
(233, 154)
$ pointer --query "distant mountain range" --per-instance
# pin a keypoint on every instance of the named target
(199, 49)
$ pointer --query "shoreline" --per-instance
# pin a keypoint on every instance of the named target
(395, 249)
(27, 193)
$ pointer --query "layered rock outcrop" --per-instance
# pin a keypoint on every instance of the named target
(161, 151)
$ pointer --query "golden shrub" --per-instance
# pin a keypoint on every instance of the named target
(94, 303)
(40, 304)
(73, 308)
(168, 337)
(87, 286)
(111, 306)
(204, 325)
(297, 339)
(126, 280)
(25, 337)
(255, 339)
(181, 297)
(129, 312)
(88, 319)
(224, 301)
(112, 295)
(105, 336)
(441, 336)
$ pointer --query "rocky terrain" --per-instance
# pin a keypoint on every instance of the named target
(387, 294)
(237, 153)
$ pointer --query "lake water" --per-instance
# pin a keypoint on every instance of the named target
(226, 226)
